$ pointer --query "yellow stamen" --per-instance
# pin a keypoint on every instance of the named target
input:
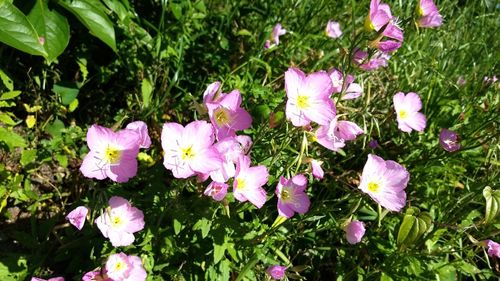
(373, 186)
(240, 183)
(303, 102)
(403, 114)
(369, 24)
(112, 155)
(187, 153)
(222, 117)
(285, 195)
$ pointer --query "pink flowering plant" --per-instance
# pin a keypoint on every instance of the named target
(249, 140)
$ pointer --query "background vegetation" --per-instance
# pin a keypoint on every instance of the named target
(155, 67)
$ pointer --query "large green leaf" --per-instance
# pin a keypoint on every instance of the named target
(492, 203)
(92, 14)
(414, 225)
(52, 26)
(11, 139)
(17, 32)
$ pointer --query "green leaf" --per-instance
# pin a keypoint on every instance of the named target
(5, 118)
(219, 251)
(17, 32)
(28, 156)
(52, 26)
(55, 128)
(11, 139)
(492, 204)
(92, 14)
(177, 227)
(68, 92)
(10, 95)
(414, 225)
(146, 90)
(6, 79)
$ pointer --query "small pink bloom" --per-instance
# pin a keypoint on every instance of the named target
(277, 272)
(292, 196)
(352, 90)
(361, 59)
(95, 276)
(230, 150)
(493, 248)
(112, 154)
(385, 182)
(381, 20)
(141, 129)
(50, 279)
(308, 97)
(120, 267)
(449, 140)
(337, 133)
(227, 115)
(461, 81)
(333, 29)
(41, 40)
(119, 221)
(210, 94)
(249, 181)
(189, 150)
(275, 36)
(354, 231)
(216, 190)
(317, 171)
(78, 216)
(429, 14)
(379, 15)
(245, 143)
(373, 144)
(407, 109)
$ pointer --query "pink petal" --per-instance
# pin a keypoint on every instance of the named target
(348, 130)
(318, 85)
(142, 129)
(98, 136)
(293, 81)
(321, 111)
(78, 216)
(284, 210)
(198, 133)
(210, 92)
(207, 161)
(317, 171)
(413, 102)
(92, 166)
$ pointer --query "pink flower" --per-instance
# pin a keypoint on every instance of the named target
(119, 221)
(428, 14)
(77, 216)
(308, 97)
(210, 94)
(292, 197)
(449, 140)
(227, 115)
(95, 276)
(352, 90)
(385, 182)
(407, 107)
(275, 36)
(277, 272)
(50, 279)
(381, 20)
(189, 150)
(120, 267)
(112, 154)
(361, 59)
(333, 29)
(230, 150)
(216, 190)
(373, 144)
(317, 171)
(142, 130)
(461, 81)
(493, 248)
(249, 181)
(245, 143)
(337, 133)
(354, 231)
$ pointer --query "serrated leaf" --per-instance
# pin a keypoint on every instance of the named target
(10, 95)
(17, 31)
(11, 139)
(92, 14)
(52, 27)
(492, 198)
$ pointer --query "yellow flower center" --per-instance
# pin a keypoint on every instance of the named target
(369, 24)
(187, 153)
(112, 155)
(119, 266)
(222, 117)
(420, 11)
(303, 102)
(373, 186)
(240, 183)
(403, 114)
(285, 195)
